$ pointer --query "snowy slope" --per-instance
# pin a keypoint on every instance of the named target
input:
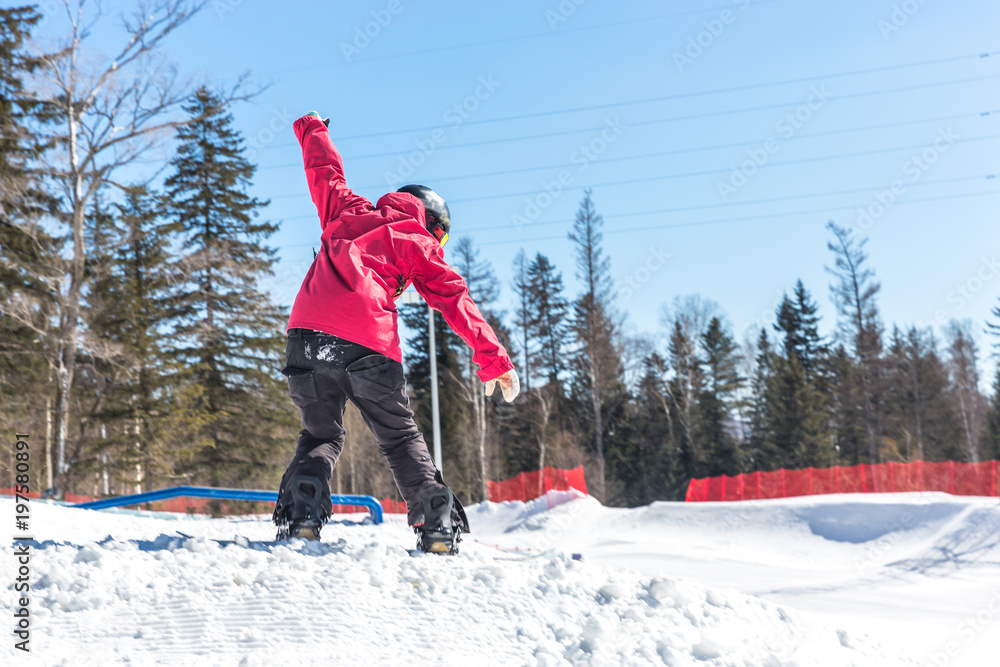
(657, 585)
(918, 571)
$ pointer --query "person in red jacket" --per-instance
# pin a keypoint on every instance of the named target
(343, 343)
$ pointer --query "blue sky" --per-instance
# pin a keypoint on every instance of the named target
(829, 107)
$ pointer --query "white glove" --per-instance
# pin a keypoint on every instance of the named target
(326, 121)
(509, 385)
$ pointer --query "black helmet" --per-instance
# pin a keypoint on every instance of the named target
(435, 210)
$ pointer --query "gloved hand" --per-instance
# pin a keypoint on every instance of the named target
(509, 385)
(326, 121)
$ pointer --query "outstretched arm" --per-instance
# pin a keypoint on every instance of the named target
(444, 290)
(324, 170)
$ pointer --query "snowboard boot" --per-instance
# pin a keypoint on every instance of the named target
(439, 533)
(306, 516)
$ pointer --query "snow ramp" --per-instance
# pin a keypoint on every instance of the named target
(115, 589)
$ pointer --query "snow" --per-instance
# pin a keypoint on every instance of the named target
(828, 580)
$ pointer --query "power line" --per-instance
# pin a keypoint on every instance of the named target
(871, 70)
(701, 223)
(709, 172)
(770, 200)
(665, 98)
(726, 112)
(743, 144)
(697, 149)
(727, 170)
(501, 40)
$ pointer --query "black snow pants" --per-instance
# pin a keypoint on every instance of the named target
(326, 371)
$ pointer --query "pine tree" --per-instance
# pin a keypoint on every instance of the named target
(854, 293)
(21, 197)
(132, 308)
(548, 314)
(969, 404)
(798, 427)
(228, 338)
(798, 322)
(812, 349)
(598, 360)
(646, 464)
(990, 443)
(30, 261)
(919, 421)
(849, 435)
(795, 423)
(548, 327)
(717, 396)
(760, 450)
(907, 394)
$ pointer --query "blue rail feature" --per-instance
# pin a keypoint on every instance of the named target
(373, 505)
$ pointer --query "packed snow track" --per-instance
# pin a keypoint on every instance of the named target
(838, 580)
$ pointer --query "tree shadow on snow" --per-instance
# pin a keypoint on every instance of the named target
(973, 543)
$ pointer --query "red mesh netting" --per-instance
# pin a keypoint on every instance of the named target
(530, 485)
(734, 488)
(826, 480)
(961, 479)
(772, 484)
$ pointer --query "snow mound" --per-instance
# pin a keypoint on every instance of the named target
(148, 595)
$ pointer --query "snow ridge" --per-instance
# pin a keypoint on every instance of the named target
(145, 595)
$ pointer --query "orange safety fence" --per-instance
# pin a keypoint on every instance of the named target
(956, 478)
(530, 485)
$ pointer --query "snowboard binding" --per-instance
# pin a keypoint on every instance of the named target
(306, 520)
(443, 524)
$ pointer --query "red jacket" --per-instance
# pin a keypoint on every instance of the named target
(369, 256)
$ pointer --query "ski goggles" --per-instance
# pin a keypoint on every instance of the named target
(438, 232)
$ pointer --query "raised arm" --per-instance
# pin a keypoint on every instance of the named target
(324, 170)
(444, 290)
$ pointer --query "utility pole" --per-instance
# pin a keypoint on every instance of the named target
(413, 297)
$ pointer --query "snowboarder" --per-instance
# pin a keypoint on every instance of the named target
(343, 343)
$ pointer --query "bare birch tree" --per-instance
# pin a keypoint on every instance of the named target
(103, 114)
